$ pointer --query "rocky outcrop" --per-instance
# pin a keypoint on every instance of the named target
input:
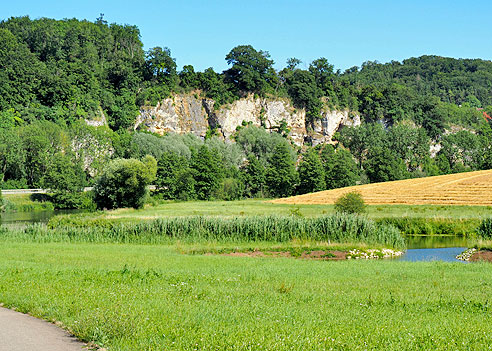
(330, 123)
(179, 114)
(191, 113)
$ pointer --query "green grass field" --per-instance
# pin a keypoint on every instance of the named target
(263, 207)
(139, 297)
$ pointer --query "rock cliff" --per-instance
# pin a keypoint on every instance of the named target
(190, 113)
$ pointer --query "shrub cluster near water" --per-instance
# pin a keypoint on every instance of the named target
(339, 228)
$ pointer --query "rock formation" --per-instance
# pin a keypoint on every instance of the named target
(190, 113)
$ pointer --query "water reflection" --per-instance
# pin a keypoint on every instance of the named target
(435, 241)
(21, 219)
(434, 248)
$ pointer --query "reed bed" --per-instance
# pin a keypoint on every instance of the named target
(433, 226)
(338, 228)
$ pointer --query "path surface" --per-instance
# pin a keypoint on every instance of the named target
(20, 332)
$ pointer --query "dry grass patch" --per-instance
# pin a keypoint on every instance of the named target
(471, 188)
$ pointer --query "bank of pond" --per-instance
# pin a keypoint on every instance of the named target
(323, 237)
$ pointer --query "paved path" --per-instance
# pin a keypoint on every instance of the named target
(20, 332)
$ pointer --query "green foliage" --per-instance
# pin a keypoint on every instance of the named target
(485, 229)
(339, 167)
(383, 165)
(257, 141)
(207, 172)
(351, 202)
(311, 173)
(174, 179)
(230, 189)
(254, 176)
(65, 179)
(251, 70)
(124, 183)
(281, 175)
(305, 93)
(432, 226)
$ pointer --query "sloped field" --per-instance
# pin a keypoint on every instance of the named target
(471, 188)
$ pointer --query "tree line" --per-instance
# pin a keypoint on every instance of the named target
(423, 116)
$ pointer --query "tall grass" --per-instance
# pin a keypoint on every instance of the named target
(433, 226)
(339, 228)
(485, 229)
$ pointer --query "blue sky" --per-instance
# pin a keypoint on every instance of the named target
(347, 33)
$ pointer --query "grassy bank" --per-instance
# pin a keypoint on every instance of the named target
(138, 297)
(263, 207)
(333, 228)
(25, 203)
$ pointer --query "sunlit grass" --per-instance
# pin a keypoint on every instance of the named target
(140, 297)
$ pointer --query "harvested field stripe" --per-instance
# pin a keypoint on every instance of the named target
(471, 188)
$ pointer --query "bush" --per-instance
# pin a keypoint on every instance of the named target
(350, 203)
(485, 229)
(124, 183)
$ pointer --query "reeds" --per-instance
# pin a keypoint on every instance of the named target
(339, 228)
(433, 226)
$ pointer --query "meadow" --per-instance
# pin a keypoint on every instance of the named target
(151, 297)
(161, 278)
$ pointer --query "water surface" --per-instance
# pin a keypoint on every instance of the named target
(434, 248)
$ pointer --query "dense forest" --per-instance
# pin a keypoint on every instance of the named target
(423, 116)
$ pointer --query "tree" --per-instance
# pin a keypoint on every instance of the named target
(124, 183)
(281, 175)
(65, 179)
(340, 167)
(188, 78)
(304, 91)
(251, 71)
(311, 173)
(12, 157)
(254, 176)
(383, 165)
(161, 66)
(207, 172)
(323, 74)
(174, 178)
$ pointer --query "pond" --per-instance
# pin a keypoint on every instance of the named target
(20, 219)
(434, 248)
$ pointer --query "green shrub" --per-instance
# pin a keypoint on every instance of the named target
(124, 183)
(351, 202)
(485, 229)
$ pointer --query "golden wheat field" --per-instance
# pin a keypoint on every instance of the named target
(471, 188)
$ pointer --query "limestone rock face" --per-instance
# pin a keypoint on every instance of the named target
(179, 114)
(330, 123)
(190, 113)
